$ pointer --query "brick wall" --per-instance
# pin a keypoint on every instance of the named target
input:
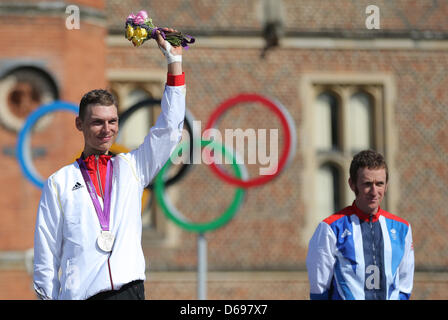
(265, 236)
(75, 58)
(420, 118)
(297, 15)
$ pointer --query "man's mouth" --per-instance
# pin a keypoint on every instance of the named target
(105, 139)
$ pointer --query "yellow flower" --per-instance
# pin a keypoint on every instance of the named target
(129, 32)
(137, 41)
(143, 33)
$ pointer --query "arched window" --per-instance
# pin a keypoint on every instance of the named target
(343, 115)
(326, 122)
(327, 190)
(138, 125)
(361, 122)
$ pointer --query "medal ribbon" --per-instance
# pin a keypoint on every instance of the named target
(103, 215)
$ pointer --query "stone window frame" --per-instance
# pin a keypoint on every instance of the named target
(382, 89)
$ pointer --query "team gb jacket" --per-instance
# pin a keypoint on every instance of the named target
(353, 256)
(67, 225)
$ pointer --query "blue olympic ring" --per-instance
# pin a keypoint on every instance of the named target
(23, 151)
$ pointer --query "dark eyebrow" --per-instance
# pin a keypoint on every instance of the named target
(102, 120)
(370, 182)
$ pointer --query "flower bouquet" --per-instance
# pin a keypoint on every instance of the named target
(140, 28)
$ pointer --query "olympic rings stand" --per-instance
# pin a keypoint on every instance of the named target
(241, 181)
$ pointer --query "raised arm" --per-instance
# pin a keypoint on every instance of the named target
(172, 54)
(163, 137)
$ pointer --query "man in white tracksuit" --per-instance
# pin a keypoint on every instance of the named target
(87, 240)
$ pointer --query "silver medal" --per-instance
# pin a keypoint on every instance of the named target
(106, 240)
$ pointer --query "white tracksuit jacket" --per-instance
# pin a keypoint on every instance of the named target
(67, 225)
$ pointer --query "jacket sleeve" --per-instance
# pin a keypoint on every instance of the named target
(320, 261)
(406, 268)
(47, 244)
(163, 137)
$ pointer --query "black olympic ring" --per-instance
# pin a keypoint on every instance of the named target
(123, 117)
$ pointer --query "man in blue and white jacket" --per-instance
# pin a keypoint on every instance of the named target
(87, 241)
(362, 252)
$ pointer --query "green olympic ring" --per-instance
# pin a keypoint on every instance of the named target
(176, 216)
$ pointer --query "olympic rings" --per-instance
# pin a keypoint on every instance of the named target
(176, 216)
(23, 150)
(188, 124)
(240, 180)
(288, 128)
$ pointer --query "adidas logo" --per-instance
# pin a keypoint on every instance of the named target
(77, 186)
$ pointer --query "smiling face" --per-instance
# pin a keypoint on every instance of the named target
(99, 127)
(370, 188)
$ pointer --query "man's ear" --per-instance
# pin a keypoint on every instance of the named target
(352, 185)
(78, 123)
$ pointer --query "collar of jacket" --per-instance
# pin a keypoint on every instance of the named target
(364, 216)
(95, 166)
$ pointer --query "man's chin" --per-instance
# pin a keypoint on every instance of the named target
(102, 150)
(369, 207)
(373, 206)
(374, 203)
(105, 146)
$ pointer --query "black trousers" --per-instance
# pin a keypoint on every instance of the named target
(134, 290)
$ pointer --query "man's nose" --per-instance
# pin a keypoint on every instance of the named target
(106, 127)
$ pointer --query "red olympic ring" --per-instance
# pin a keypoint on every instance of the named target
(287, 128)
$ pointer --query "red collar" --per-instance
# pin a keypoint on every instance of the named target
(91, 164)
(90, 161)
(364, 216)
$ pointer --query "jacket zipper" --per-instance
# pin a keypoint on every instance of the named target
(373, 245)
(110, 273)
(98, 177)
